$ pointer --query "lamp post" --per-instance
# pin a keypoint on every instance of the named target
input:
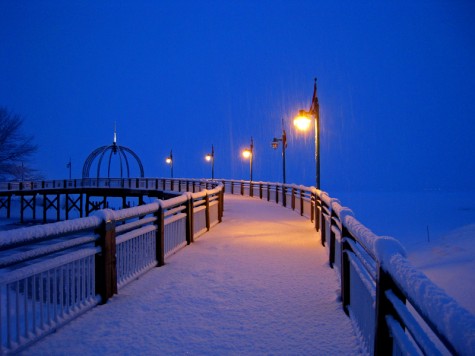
(303, 121)
(169, 161)
(210, 158)
(248, 153)
(275, 145)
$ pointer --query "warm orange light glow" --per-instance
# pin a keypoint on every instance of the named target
(208, 157)
(168, 160)
(246, 153)
(302, 121)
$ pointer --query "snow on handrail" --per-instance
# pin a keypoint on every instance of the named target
(36, 233)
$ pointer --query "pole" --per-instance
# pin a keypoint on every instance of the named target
(252, 155)
(171, 163)
(315, 109)
(284, 144)
(212, 163)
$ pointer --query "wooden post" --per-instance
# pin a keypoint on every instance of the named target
(268, 191)
(160, 237)
(207, 215)
(323, 232)
(383, 342)
(332, 243)
(345, 271)
(301, 202)
(293, 198)
(251, 189)
(313, 202)
(189, 221)
(106, 263)
(284, 196)
(221, 205)
(260, 191)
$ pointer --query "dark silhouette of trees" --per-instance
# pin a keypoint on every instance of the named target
(15, 148)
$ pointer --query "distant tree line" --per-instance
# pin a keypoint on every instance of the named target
(16, 148)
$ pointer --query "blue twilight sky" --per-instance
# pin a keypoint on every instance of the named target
(396, 84)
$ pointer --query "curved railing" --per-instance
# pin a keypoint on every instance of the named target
(52, 273)
(394, 306)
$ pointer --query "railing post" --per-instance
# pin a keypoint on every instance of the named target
(301, 202)
(106, 263)
(160, 236)
(318, 211)
(221, 205)
(313, 202)
(331, 247)
(268, 191)
(383, 342)
(189, 220)
(251, 189)
(345, 271)
(260, 190)
(293, 198)
(277, 194)
(242, 188)
(324, 230)
(208, 224)
(284, 196)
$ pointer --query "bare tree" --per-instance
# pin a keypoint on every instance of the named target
(15, 148)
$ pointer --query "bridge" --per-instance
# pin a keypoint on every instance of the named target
(53, 273)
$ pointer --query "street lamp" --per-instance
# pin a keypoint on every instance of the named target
(210, 158)
(302, 122)
(248, 153)
(169, 161)
(275, 145)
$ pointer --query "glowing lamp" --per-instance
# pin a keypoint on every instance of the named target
(208, 157)
(168, 160)
(246, 153)
(302, 121)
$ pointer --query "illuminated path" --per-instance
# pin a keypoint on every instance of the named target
(259, 283)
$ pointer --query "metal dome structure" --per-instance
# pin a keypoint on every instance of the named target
(108, 152)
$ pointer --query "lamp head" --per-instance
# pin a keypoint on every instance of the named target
(169, 160)
(208, 157)
(275, 143)
(246, 153)
(302, 121)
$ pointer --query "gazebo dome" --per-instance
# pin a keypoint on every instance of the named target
(124, 154)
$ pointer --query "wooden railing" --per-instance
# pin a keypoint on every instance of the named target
(395, 307)
(52, 273)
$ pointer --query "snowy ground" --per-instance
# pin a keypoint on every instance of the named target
(247, 287)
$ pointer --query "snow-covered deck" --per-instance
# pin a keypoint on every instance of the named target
(259, 283)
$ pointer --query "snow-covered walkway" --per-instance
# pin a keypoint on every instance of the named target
(259, 283)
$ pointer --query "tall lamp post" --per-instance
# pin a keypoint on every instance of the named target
(210, 158)
(248, 153)
(303, 121)
(275, 145)
(169, 161)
